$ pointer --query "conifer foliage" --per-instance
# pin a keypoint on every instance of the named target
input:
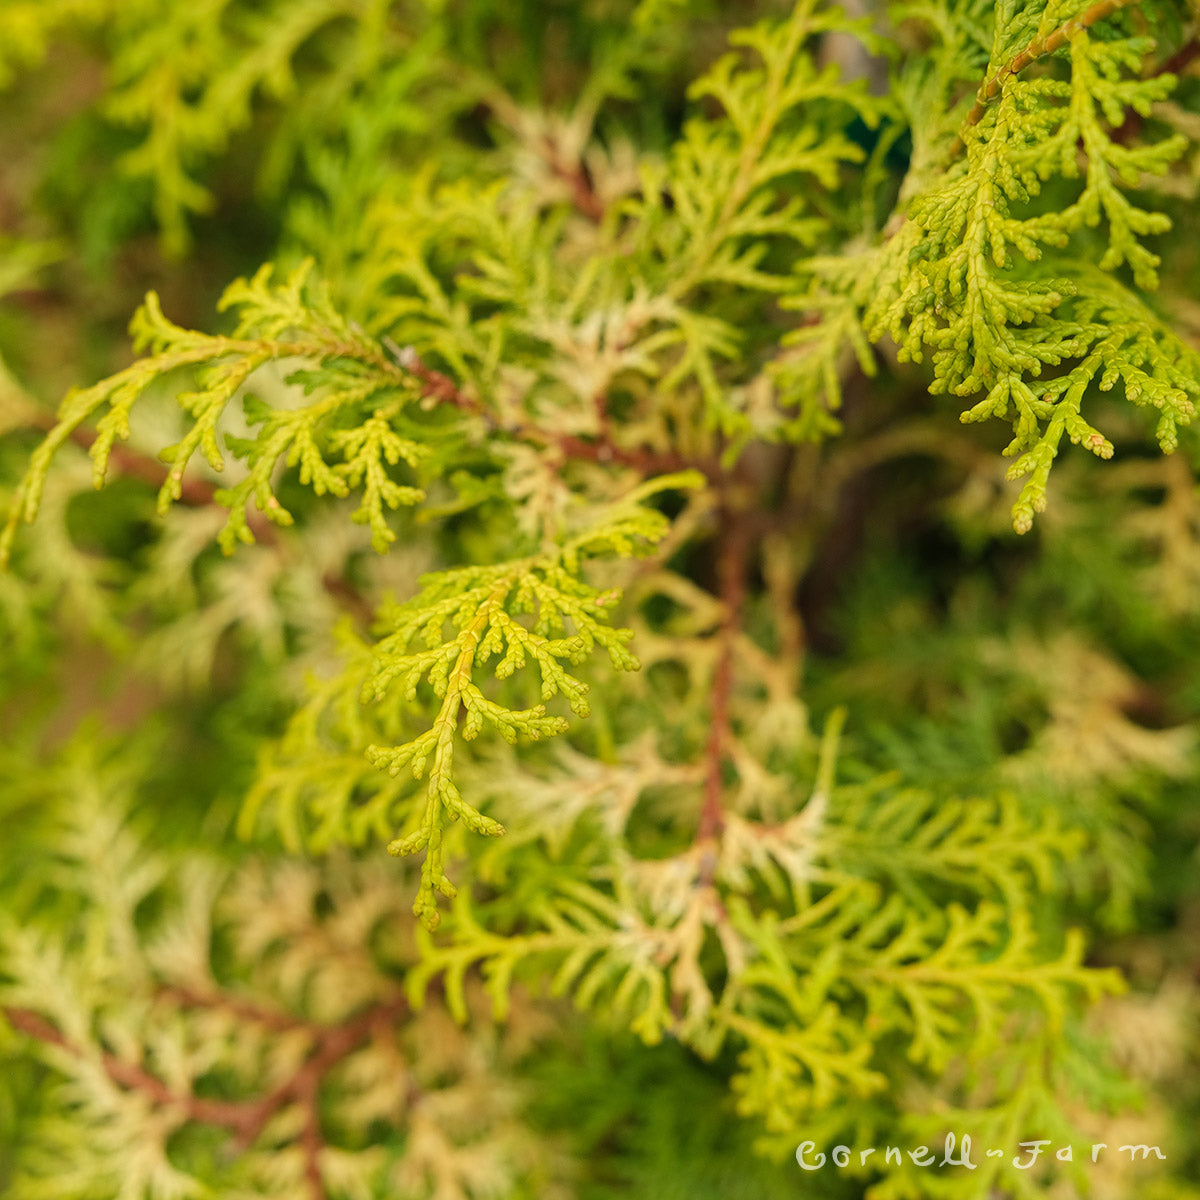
(570, 509)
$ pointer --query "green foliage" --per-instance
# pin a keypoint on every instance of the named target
(562, 506)
(275, 323)
(948, 280)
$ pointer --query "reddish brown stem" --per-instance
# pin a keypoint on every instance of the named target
(576, 177)
(1175, 65)
(245, 1119)
(731, 581)
(1039, 48)
(442, 389)
(1182, 58)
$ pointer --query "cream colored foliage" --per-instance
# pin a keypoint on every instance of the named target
(1089, 735)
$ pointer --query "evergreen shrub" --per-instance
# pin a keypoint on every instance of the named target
(589, 649)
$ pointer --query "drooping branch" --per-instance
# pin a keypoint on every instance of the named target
(200, 493)
(196, 493)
